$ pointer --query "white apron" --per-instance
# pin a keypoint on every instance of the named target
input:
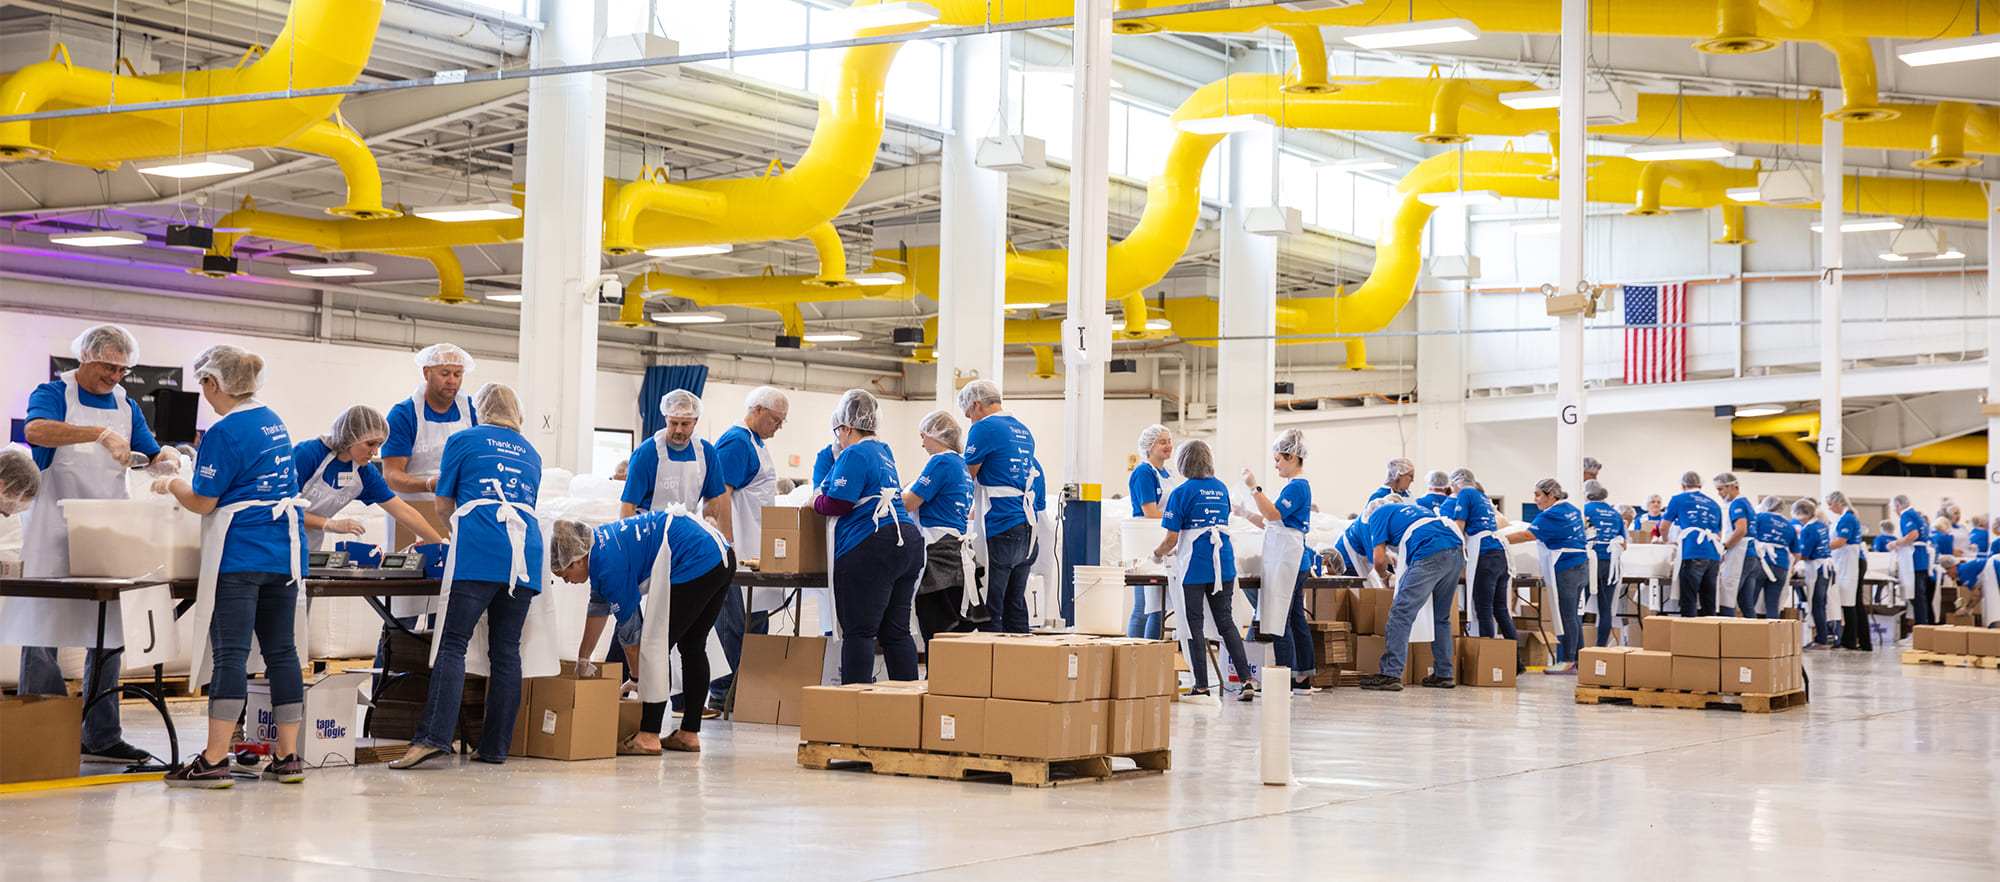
(746, 521)
(539, 655)
(1364, 563)
(1729, 575)
(982, 502)
(1551, 597)
(1156, 595)
(1183, 556)
(1423, 630)
(1847, 574)
(1680, 561)
(214, 533)
(1616, 564)
(1284, 549)
(1989, 592)
(324, 500)
(78, 471)
(680, 482)
(427, 449)
(1906, 571)
(658, 670)
(967, 566)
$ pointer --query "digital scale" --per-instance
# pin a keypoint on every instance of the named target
(336, 565)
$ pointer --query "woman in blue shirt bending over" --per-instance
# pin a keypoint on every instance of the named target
(1285, 524)
(1205, 565)
(878, 552)
(1559, 532)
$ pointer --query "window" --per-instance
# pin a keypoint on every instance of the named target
(511, 7)
(762, 24)
(1149, 138)
(1298, 185)
(608, 448)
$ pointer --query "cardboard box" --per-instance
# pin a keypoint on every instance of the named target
(1127, 733)
(1657, 634)
(770, 674)
(1418, 664)
(1646, 669)
(327, 729)
(1982, 641)
(1759, 675)
(571, 718)
(1923, 638)
(1158, 726)
(1325, 603)
(1697, 674)
(1371, 610)
(794, 541)
(1948, 639)
(962, 666)
(1486, 661)
(831, 714)
(954, 724)
(1368, 650)
(1754, 638)
(892, 715)
(1050, 668)
(1533, 649)
(630, 710)
(1140, 668)
(1045, 729)
(1698, 638)
(1601, 666)
(1964, 620)
(40, 738)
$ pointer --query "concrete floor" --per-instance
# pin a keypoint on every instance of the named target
(1892, 772)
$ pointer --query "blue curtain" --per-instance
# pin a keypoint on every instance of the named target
(660, 381)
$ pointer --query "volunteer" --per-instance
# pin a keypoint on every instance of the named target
(878, 552)
(1591, 467)
(1735, 533)
(1649, 520)
(1695, 520)
(1205, 568)
(1885, 536)
(1769, 563)
(20, 481)
(1428, 559)
(1913, 560)
(1397, 484)
(688, 473)
(337, 468)
(1607, 554)
(1626, 514)
(621, 560)
(1558, 534)
(1286, 558)
(941, 500)
(752, 481)
(83, 433)
(1000, 455)
(1815, 550)
(823, 465)
(1943, 536)
(1148, 486)
(1846, 626)
(252, 553)
(1982, 591)
(1978, 537)
(1479, 523)
(418, 427)
(1439, 486)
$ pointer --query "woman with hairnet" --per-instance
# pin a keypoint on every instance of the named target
(622, 561)
(1401, 473)
(1286, 558)
(1651, 521)
(1767, 564)
(1485, 556)
(487, 485)
(1558, 534)
(252, 554)
(1148, 486)
(1607, 555)
(1204, 568)
(948, 599)
(878, 551)
(1830, 616)
(337, 468)
(1437, 485)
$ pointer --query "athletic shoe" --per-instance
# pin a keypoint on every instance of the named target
(1381, 683)
(1302, 685)
(1436, 682)
(199, 774)
(285, 770)
(118, 752)
(1203, 698)
(1248, 693)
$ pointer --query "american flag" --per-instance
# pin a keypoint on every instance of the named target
(1652, 354)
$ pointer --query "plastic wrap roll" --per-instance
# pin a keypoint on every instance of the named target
(1275, 745)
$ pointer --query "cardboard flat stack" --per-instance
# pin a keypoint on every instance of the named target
(1956, 640)
(1705, 655)
(1336, 652)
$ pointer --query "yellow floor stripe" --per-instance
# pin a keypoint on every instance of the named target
(69, 783)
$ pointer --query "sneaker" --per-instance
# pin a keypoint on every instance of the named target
(1201, 697)
(1248, 693)
(199, 774)
(1566, 669)
(119, 752)
(1302, 685)
(1381, 683)
(285, 770)
(1436, 682)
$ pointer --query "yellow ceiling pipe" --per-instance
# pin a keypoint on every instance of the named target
(768, 291)
(1802, 424)
(323, 43)
(1733, 232)
(1948, 123)
(1045, 363)
(1968, 451)
(1310, 74)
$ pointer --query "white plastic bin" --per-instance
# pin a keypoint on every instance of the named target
(130, 538)
(1103, 604)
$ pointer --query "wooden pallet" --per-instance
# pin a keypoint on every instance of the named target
(380, 752)
(964, 767)
(1753, 702)
(1949, 659)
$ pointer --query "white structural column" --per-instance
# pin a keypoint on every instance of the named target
(1441, 380)
(1571, 192)
(1992, 359)
(1246, 358)
(1831, 255)
(1086, 332)
(563, 235)
(972, 256)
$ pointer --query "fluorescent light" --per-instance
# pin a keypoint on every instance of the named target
(689, 318)
(1416, 33)
(1865, 225)
(1953, 254)
(855, 19)
(98, 238)
(1534, 99)
(195, 166)
(1931, 52)
(1891, 255)
(1664, 152)
(478, 211)
(332, 270)
(1013, 307)
(1159, 324)
(1460, 197)
(1359, 164)
(1317, 5)
(1532, 227)
(502, 298)
(690, 250)
(831, 337)
(1744, 194)
(1759, 410)
(1225, 124)
(875, 279)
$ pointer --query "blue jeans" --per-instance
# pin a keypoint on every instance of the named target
(1570, 585)
(730, 628)
(1489, 594)
(1194, 598)
(874, 585)
(1294, 648)
(1009, 555)
(266, 604)
(1825, 630)
(1144, 624)
(505, 612)
(41, 674)
(1435, 578)
(1607, 601)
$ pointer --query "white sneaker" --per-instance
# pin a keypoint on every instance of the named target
(1204, 699)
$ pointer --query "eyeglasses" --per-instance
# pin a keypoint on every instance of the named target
(116, 369)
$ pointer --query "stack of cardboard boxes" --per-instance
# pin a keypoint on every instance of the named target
(1711, 654)
(1955, 640)
(1333, 653)
(1535, 628)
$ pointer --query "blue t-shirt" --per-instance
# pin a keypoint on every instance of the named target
(475, 461)
(644, 467)
(737, 451)
(1980, 540)
(622, 554)
(1449, 507)
(1144, 486)
(1813, 543)
(1969, 571)
(1690, 509)
(307, 456)
(1380, 492)
(1295, 504)
(245, 456)
(1740, 509)
(1004, 452)
(1430, 501)
(862, 472)
(1647, 520)
(1882, 542)
(1560, 526)
(1912, 521)
(946, 489)
(1355, 547)
(1198, 503)
(403, 424)
(1848, 527)
(1387, 524)
(1773, 530)
(1605, 520)
(1472, 507)
(48, 402)
(822, 466)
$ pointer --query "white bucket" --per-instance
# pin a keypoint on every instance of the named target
(130, 538)
(1103, 603)
(1137, 537)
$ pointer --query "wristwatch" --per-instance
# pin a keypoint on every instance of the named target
(1260, 488)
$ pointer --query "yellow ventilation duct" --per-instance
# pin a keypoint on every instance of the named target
(395, 235)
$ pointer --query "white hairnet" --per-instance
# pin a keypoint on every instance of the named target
(1291, 441)
(1462, 477)
(1590, 464)
(1380, 501)
(1626, 512)
(1398, 468)
(569, 542)
(1595, 492)
(1151, 435)
(857, 410)
(940, 427)
(1804, 508)
(1726, 479)
(1553, 488)
(768, 398)
(1838, 498)
(1690, 480)
(1887, 526)
(497, 405)
(1654, 498)
(236, 371)
(1899, 502)
(355, 425)
(20, 480)
(1770, 504)
(443, 353)
(978, 393)
(109, 344)
(680, 403)
(1437, 480)
(1194, 460)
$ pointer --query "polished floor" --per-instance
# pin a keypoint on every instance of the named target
(1892, 772)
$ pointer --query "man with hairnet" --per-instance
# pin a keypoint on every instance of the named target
(418, 428)
(675, 468)
(1698, 522)
(1438, 485)
(1401, 473)
(85, 434)
(941, 500)
(753, 483)
(1000, 455)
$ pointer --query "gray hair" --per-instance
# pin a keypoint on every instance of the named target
(1437, 480)
(1899, 502)
(978, 393)
(1627, 512)
(1726, 479)
(1804, 509)
(768, 398)
(1553, 488)
(97, 341)
(1836, 497)
(1690, 480)
(1595, 492)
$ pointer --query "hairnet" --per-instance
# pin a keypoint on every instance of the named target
(940, 427)
(441, 354)
(1378, 502)
(1941, 524)
(355, 425)
(1770, 504)
(1888, 526)
(497, 405)
(1836, 497)
(1899, 502)
(1462, 477)
(1292, 441)
(1979, 520)
(236, 371)
(1437, 480)
(1595, 492)
(768, 398)
(978, 393)
(1150, 436)
(1804, 508)
(569, 542)
(1194, 460)
(1690, 479)
(1726, 479)
(1398, 468)
(109, 344)
(1590, 464)
(682, 404)
(1553, 488)
(1336, 563)
(1627, 512)
(1654, 498)
(20, 480)
(857, 410)
(1948, 509)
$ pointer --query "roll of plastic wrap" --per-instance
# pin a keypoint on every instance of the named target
(1275, 745)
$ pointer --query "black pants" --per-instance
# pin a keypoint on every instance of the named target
(696, 603)
(1854, 632)
(874, 584)
(1926, 593)
(1698, 587)
(1489, 595)
(941, 593)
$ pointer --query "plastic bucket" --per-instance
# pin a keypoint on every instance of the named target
(131, 538)
(1137, 537)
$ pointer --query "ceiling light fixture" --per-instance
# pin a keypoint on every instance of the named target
(1533, 99)
(1225, 124)
(1357, 164)
(1416, 33)
(690, 250)
(478, 211)
(832, 337)
(1668, 152)
(503, 298)
(98, 238)
(1953, 254)
(1893, 256)
(1760, 410)
(208, 166)
(876, 279)
(1744, 194)
(1460, 197)
(855, 19)
(1929, 52)
(1864, 225)
(689, 318)
(1016, 307)
(332, 270)
(1159, 324)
